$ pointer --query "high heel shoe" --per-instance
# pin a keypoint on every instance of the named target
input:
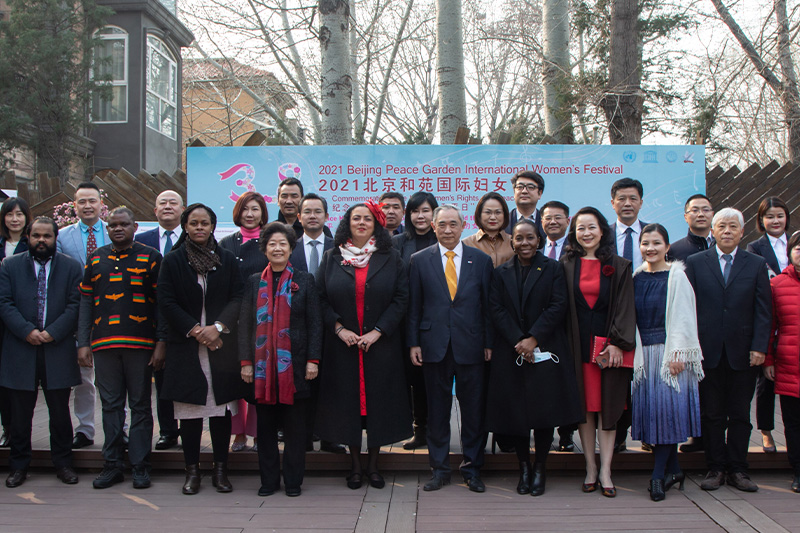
(657, 490)
(671, 479)
(591, 487)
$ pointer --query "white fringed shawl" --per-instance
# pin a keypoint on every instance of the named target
(682, 344)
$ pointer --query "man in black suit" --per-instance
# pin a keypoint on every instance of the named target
(39, 301)
(449, 333)
(698, 213)
(394, 207)
(734, 315)
(290, 193)
(528, 189)
(169, 206)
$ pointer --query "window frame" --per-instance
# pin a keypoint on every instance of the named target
(173, 74)
(122, 35)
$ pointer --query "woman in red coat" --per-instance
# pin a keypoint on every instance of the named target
(782, 364)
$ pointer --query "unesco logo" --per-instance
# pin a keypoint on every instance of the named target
(629, 156)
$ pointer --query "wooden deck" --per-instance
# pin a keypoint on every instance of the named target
(43, 503)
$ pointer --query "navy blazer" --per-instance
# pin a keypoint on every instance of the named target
(298, 257)
(19, 310)
(514, 217)
(151, 238)
(735, 318)
(763, 248)
(435, 321)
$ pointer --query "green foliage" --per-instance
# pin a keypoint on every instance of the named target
(45, 88)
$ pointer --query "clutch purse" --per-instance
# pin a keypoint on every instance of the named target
(599, 344)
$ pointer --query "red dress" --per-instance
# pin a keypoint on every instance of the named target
(590, 288)
(361, 281)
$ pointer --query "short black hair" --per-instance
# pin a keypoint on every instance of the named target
(658, 228)
(396, 195)
(555, 204)
(123, 209)
(627, 183)
(765, 205)
(313, 196)
(697, 196)
(531, 175)
(87, 185)
(416, 200)
(43, 220)
(531, 223)
(9, 206)
(276, 227)
(290, 181)
(503, 205)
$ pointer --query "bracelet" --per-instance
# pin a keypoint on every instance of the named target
(340, 328)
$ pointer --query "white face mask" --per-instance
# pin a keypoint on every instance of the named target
(539, 357)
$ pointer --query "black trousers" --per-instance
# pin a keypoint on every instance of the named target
(765, 403)
(120, 374)
(23, 403)
(725, 396)
(293, 420)
(790, 410)
(5, 408)
(470, 394)
(165, 410)
(417, 394)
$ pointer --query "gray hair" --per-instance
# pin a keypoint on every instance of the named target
(445, 207)
(728, 213)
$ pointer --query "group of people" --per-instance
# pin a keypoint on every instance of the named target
(284, 331)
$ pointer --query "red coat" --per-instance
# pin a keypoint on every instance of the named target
(785, 353)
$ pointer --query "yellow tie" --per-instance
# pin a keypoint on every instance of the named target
(450, 274)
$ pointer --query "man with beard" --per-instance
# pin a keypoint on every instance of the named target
(39, 301)
(117, 334)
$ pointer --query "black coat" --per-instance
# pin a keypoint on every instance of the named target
(22, 246)
(406, 243)
(540, 395)
(180, 302)
(682, 248)
(251, 258)
(19, 310)
(385, 301)
(762, 247)
(305, 323)
(735, 318)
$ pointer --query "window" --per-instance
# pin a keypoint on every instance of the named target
(162, 87)
(111, 62)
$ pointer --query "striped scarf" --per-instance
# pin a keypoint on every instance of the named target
(274, 377)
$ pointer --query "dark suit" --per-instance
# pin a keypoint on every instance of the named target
(763, 248)
(732, 321)
(681, 249)
(298, 258)
(298, 227)
(5, 401)
(54, 364)
(452, 335)
(514, 218)
(150, 238)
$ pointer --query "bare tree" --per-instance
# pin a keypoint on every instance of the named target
(556, 70)
(337, 88)
(450, 69)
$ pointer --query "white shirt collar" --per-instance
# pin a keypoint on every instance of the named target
(557, 242)
(307, 240)
(773, 240)
(459, 249)
(621, 227)
(720, 253)
(162, 231)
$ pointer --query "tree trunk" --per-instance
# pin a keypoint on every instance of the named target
(555, 70)
(789, 95)
(450, 69)
(337, 88)
(623, 101)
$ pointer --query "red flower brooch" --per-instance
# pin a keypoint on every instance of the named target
(294, 286)
(608, 271)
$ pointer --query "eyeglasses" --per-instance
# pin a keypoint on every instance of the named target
(529, 186)
(698, 210)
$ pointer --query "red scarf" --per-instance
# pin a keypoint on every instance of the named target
(274, 376)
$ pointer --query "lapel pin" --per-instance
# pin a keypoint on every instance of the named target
(469, 262)
(538, 268)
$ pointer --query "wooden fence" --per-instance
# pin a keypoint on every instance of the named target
(744, 190)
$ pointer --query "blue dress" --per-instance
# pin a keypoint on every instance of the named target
(661, 415)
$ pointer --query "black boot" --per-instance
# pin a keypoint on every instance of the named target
(419, 441)
(672, 479)
(524, 485)
(219, 477)
(539, 479)
(657, 490)
(192, 483)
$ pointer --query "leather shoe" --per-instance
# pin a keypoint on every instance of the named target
(524, 485)
(81, 441)
(656, 489)
(694, 444)
(647, 447)
(166, 443)
(219, 477)
(420, 439)
(264, 492)
(436, 483)
(16, 478)
(713, 480)
(67, 475)
(621, 447)
(475, 484)
(293, 492)
(538, 480)
(5, 442)
(742, 481)
(566, 444)
(672, 479)
(192, 483)
(325, 446)
(796, 483)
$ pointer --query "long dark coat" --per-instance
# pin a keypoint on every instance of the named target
(305, 328)
(385, 301)
(620, 329)
(180, 301)
(540, 395)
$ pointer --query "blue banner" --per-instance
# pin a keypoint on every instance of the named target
(578, 175)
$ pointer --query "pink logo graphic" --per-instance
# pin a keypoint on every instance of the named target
(245, 182)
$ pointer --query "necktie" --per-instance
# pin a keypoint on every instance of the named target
(450, 274)
(41, 294)
(552, 253)
(627, 249)
(726, 271)
(313, 258)
(168, 244)
(91, 244)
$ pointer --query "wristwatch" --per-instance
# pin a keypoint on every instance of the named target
(219, 327)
